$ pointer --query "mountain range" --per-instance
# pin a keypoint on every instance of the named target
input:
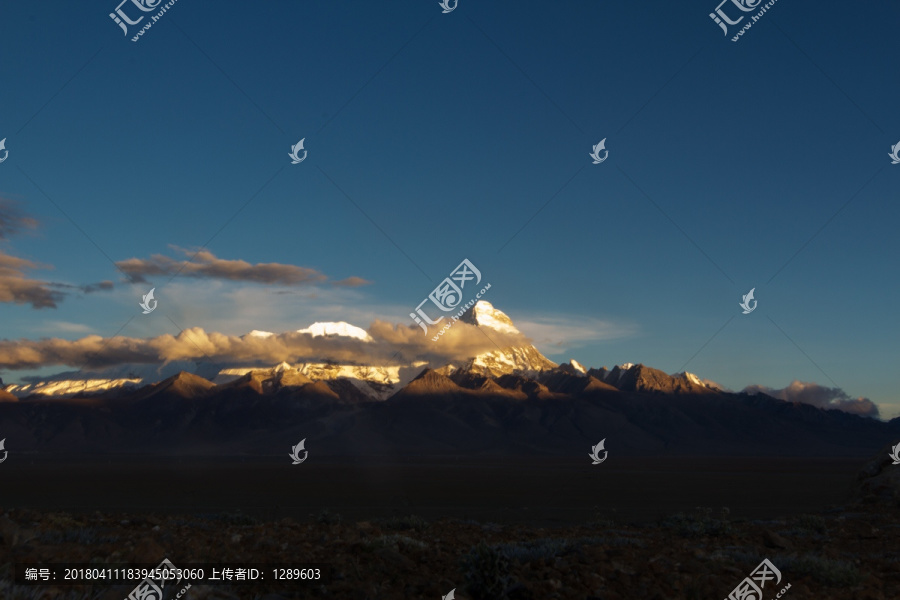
(511, 400)
(378, 382)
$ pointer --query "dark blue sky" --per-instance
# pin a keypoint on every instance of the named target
(757, 164)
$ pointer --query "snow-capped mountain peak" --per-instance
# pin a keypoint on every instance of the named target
(483, 314)
(690, 377)
(696, 380)
(340, 328)
(524, 359)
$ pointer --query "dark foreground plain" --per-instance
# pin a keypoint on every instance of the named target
(529, 490)
(648, 528)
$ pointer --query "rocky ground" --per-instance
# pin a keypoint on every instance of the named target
(847, 552)
(851, 551)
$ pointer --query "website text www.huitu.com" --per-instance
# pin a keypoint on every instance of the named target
(754, 19)
(462, 311)
(154, 19)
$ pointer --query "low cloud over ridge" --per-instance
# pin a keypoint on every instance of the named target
(391, 344)
(820, 397)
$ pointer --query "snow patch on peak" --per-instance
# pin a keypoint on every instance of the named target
(68, 388)
(524, 360)
(690, 377)
(485, 315)
(577, 366)
(619, 371)
(340, 328)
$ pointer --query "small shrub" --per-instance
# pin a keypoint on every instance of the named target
(604, 518)
(701, 523)
(839, 573)
(230, 518)
(84, 536)
(551, 548)
(745, 557)
(326, 517)
(487, 572)
(546, 549)
(8, 591)
(812, 523)
(396, 542)
(407, 523)
(61, 520)
(616, 541)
